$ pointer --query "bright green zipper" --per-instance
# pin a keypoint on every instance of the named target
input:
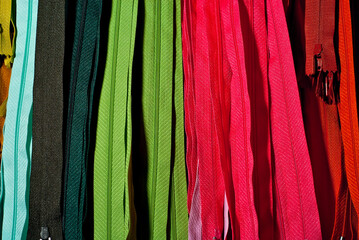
(18, 116)
(110, 138)
(156, 127)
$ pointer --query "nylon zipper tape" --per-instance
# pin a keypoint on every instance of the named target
(296, 203)
(256, 59)
(161, 83)
(83, 76)
(5, 74)
(47, 155)
(348, 108)
(17, 152)
(178, 211)
(114, 131)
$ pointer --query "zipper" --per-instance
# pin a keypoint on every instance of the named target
(220, 74)
(157, 86)
(72, 96)
(110, 137)
(319, 22)
(72, 105)
(348, 91)
(74, 82)
(246, 154)
(352, 108)
(18, 116)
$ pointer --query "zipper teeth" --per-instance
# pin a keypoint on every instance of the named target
(246, 155)
(320, 22)
(110, 137)
(17, 127)
(156, 127)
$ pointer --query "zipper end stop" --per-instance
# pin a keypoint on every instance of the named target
(45, 234)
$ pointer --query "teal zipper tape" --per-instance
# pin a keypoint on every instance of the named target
(17, 149)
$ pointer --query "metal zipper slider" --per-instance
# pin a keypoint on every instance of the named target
(318, 62)
(45, 234)
(326, 83)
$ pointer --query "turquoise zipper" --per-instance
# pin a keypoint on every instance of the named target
(18, 116)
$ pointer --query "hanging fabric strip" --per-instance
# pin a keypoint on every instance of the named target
(218, 120)
(158, 134)
(295, 198)
(253, 25)
(5, 74)
(244, 221)
(47, 155)
(84, 65)
(114, 131)
(354, 10)
(16, 159)
(321, 66)
(322, 127)
(202, 140)
(178, 212)
(325, 147)
(347, 107)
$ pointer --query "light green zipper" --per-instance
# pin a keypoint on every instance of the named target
(110, 136)
(156, 112)
(162, 104)
(114, 131)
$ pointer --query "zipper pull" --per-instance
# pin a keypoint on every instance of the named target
(326, 83)
(45, 234)
(318, 70)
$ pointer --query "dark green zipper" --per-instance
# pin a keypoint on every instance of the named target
(83, 77)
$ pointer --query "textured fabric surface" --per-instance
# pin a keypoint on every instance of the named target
(201, 146)
(297, 212)
(158, 135)
(348, 108)
(354, 10)
(5, 74)
(112, 181)
(253, 24)
(47, 153)
(218, 120)
(17, 149)
(84, 63)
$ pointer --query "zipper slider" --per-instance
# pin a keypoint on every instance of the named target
(326, 83)
(317, 80)
(45, 234)
(318, 61)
